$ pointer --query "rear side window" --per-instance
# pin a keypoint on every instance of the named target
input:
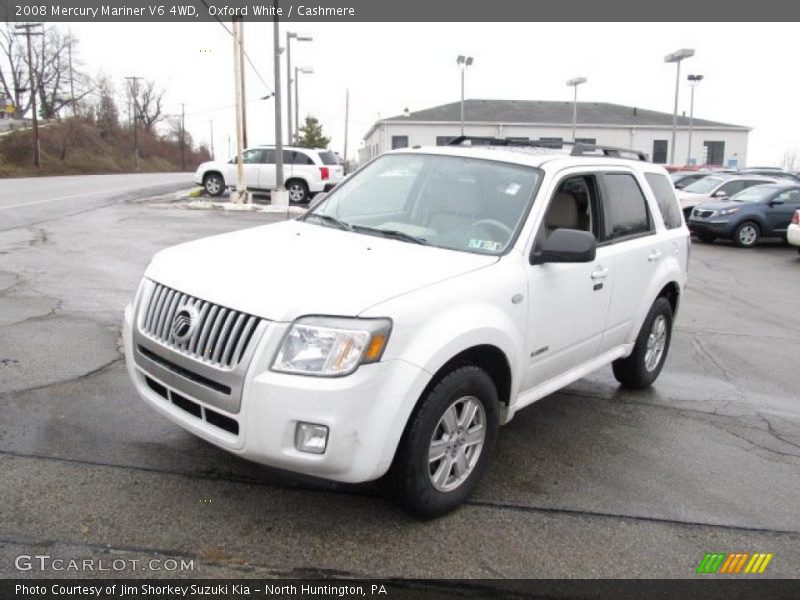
(624, 206)
(292, 157)
(665, 198)
(328, 158)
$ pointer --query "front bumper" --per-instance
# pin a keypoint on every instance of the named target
(365, 412)
(716, 227)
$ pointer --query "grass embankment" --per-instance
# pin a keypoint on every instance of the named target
(77, 146)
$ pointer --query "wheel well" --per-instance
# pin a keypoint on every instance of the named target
(208, 174)
(489, 358)
(300, 179)
(671, 292)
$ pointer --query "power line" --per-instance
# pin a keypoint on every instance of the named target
(246, 55)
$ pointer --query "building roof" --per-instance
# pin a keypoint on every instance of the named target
(553, 112)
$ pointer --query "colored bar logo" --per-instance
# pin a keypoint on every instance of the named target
(734, 563)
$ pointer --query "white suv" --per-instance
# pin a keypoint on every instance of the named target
(412, 311)
(307, 171)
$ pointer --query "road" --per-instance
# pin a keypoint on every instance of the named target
(593, 481)
(26, 201)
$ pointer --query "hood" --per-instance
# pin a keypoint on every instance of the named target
(290, 269)
(720, 205)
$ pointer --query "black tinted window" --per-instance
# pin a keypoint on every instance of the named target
(665, 197)
(328, 158)
(292, 157)
(624, 206)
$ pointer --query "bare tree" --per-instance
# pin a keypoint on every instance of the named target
(54, 81)
(14, 70)
(149, 103)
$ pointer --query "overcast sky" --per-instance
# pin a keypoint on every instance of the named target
(749, 69)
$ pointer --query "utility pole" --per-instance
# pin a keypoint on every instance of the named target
(134, 79)
(28, 33)
(211, 128)
(346, 123)
(240, 195)
(289, 87)
(183, 136)
(242, 83)
(279, 196)
(71, 77)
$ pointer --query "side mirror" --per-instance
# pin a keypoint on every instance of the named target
(566, 246)
(776, 202)
(720, 194)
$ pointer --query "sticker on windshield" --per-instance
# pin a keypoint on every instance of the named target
(512, 189)
(485, 245)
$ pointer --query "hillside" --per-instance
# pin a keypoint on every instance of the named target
(79, 146)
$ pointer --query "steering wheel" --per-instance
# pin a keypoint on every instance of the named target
(502, 228)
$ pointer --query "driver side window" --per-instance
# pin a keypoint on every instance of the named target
(573, 206)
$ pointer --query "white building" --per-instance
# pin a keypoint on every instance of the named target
(598, 123)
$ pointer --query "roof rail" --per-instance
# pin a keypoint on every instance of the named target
(578, 148)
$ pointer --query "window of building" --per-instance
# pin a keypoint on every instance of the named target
(665, 198)
(443, 140)
(624, 206)
(399, 141)
(715, 152)
(554, 142)
(660, 148)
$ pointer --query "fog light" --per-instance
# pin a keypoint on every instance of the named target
(309, 437)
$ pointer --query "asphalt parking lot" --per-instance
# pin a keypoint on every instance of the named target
(592, 481)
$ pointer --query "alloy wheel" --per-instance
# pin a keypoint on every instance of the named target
(457, 443)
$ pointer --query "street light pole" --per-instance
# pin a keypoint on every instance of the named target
(575, 83)
(694, 80)
(297, 72)
(463, 62)
(676, 57)
(291, 35)
(278, 196)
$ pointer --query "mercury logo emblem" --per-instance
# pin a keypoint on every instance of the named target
(184, 323)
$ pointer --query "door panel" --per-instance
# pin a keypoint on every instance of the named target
(568, 306)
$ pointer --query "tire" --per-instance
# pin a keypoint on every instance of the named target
(298, 191)
(214, 184)
(639, 370)
(413, 479)
(707, 239)
(747, 234)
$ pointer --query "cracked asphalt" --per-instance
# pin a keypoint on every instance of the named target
(592, 481)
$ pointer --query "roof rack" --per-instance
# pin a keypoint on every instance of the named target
(578, 148)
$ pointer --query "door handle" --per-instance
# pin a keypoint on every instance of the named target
(600, 273)
(654, 255)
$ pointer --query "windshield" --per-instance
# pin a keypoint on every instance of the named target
(705, 185)
(450, 202)
(757, 193)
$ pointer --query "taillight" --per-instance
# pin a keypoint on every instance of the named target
(324, 172)
(796, 218)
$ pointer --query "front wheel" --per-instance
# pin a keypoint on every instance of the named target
(747, 235)
(214, 184)
(447, 444)
(642, 367)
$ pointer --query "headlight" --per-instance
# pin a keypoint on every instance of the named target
(331, 346)
(728, 211)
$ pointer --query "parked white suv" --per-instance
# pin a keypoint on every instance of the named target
(412, 311)
(307, 171)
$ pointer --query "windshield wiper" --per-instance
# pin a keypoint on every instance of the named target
(330, 220)
(392, 233)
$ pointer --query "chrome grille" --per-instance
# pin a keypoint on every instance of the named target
(221, 334)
